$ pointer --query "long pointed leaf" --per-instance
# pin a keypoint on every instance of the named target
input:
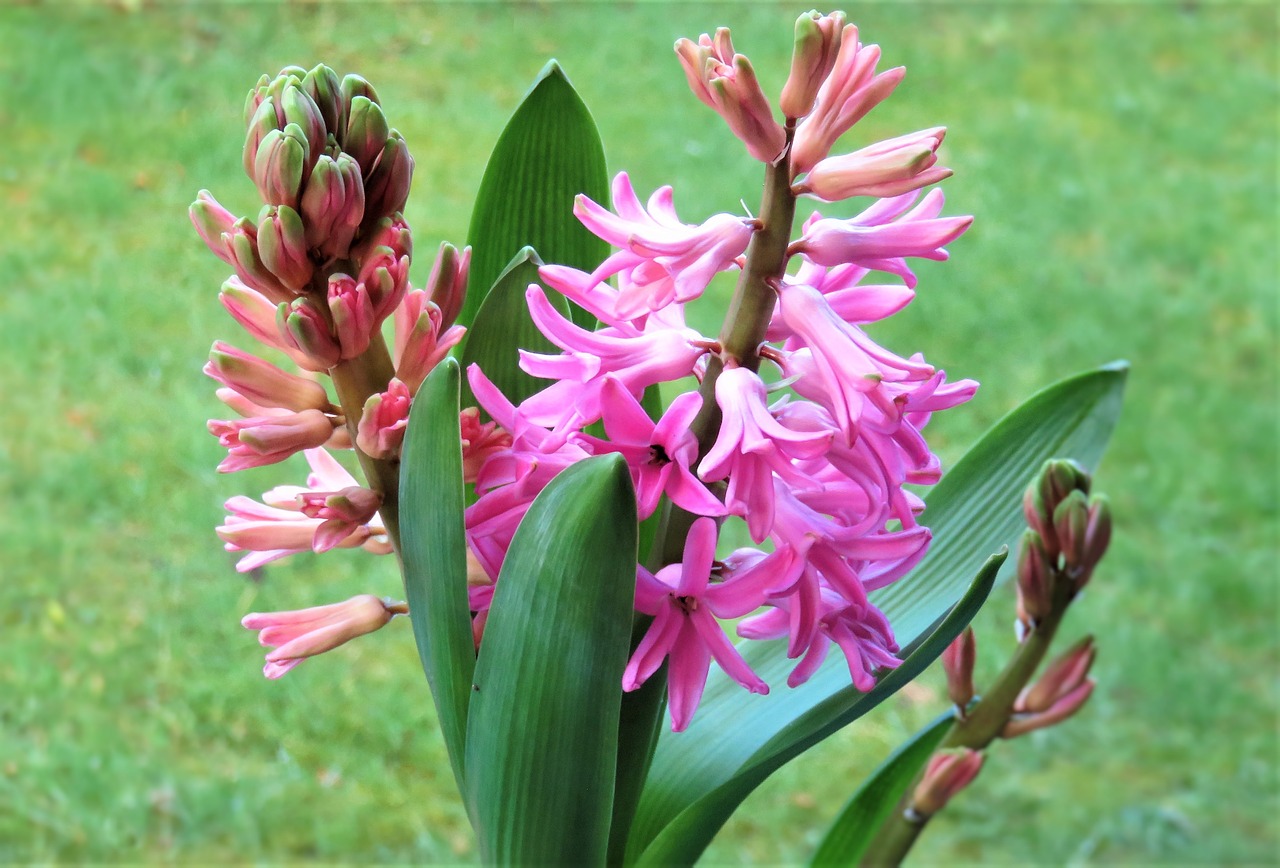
(549, 152)
(850, 833)
(543, 726)
(434, 553)
(684, 839)
(503, 327)
(975, 508)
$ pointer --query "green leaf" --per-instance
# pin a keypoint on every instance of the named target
(975, 508)
(434, 553)
(688, 834)
(503, 327)
(549, 152)
(543, 727)
(851, 832)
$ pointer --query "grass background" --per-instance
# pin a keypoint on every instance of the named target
(1121, 160)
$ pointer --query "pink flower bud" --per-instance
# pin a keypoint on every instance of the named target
(479, 441)
(1070, 522)
(957, 662)
(725, 81)
(352, 315)
(282, 245)
(1097, 537)
(886, 169)
(213, 222)
(281, 164)
(297, 635)
(262, 123)
(419, 343)
(387, 185)
(252, 310)
(325, 90)
(300, 109)
(366, 133)
(306, 329)
(333, 205)
(850, 91)
(262, 382)
(386, 278)
(947, 773)
(1060, 692)
(382, 424)
(447, 285)
(817, 42)
(1035, 575)
(390, 232)
(242, 246)
(259, 441)
(342, 512)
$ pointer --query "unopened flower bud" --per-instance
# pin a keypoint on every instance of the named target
(1070, 522)
(383, 422)
(282, 244)
(254, 311)
(353, 86)
(366, 133)
(957, 662)
(213, 222)
(343, 512)
(386, 279)
(352, 312)
(242, 244)
(447, 285)
(1060, 692)
(306, 329)
(256, 95)
(262, 123)
(325, 90)
(305, 633)
(947, 773)
(1096, 538)
(1035, 576)
(391, 232)
(301, 109)
(1057, 479)
(387, 185)
(259, 441)
(262, 382)
(420, 340)
(726, 82)
(885, 169)
(817, 42)
(333, 205)
(280, 166)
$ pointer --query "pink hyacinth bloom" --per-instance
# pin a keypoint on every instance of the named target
(684, 629)
(421, 340)
(888, 168)
(752, 446)
(658, 455)
(257, 315)
(259, 441)
(305, 326)
(297, 635)
(214, 223)
(873, 241)
(384, 420)
(385, 277)
(479, 441)
(817, 45)
(667, 261)
(851, 90)
(725, 81)
(352, 312)
(342, 513)
(263, 383)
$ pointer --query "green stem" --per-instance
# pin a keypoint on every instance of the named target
(980, 726)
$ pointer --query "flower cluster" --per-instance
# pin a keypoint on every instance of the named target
(800, 424)
(316, 275)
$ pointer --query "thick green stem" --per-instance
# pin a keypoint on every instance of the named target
(356, 380)
(980, 726)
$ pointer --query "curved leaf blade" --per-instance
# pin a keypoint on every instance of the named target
(976, 506)
(682, 840)
(434, 553)
(850, 833)
(503, 327)
(543, 725)
(549, 152)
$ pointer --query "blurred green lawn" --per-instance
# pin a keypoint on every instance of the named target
(1121, 161)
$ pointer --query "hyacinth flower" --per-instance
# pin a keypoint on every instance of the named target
(295, 636)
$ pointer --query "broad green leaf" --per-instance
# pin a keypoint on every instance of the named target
(543, 725)
(434, 553)
(688, 834)
(549, 152)
(974, 509)
(862, 816)
(503, 327)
